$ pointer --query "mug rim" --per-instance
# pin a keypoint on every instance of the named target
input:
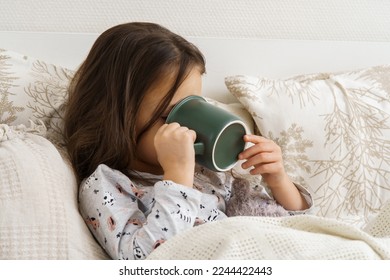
(216, 141)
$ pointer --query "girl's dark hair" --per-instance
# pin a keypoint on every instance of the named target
(107, 90)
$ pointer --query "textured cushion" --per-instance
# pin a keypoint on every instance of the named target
(334, 130)
(32, 89)
(39, 217)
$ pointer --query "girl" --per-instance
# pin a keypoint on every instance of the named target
(139, 184)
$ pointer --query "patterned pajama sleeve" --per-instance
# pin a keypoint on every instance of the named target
(125, 227)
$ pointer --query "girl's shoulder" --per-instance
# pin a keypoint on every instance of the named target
(104, 176)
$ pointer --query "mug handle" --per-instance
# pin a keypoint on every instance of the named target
(199, 148)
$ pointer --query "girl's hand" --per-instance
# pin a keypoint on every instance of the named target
(174, 145)
(265, 159)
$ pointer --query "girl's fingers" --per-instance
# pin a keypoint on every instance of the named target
(256, 149)
(261, 145)
(182, 131)
(268, 168)
(176, 129)
(265, 156)
(193, 134)
(261, 158)
(254, 138)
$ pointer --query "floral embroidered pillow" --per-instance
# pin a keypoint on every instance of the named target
(32, 89)
(334, 130)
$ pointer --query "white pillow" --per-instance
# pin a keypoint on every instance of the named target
(39, 216)
(334, 130)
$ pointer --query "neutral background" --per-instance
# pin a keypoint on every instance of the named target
(352, 20)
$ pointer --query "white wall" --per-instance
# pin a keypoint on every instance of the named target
(360, 20)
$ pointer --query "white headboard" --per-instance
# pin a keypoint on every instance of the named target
(224, 56)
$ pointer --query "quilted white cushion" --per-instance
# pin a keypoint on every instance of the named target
(39, 216)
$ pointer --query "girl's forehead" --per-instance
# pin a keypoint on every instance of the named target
(157, 92)
(190, 86)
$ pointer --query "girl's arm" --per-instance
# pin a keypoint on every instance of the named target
(265, 159)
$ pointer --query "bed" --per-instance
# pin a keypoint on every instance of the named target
(327, 104)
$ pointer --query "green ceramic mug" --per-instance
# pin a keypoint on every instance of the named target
(219, 133)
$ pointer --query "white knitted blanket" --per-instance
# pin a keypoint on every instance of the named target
(295, 237)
